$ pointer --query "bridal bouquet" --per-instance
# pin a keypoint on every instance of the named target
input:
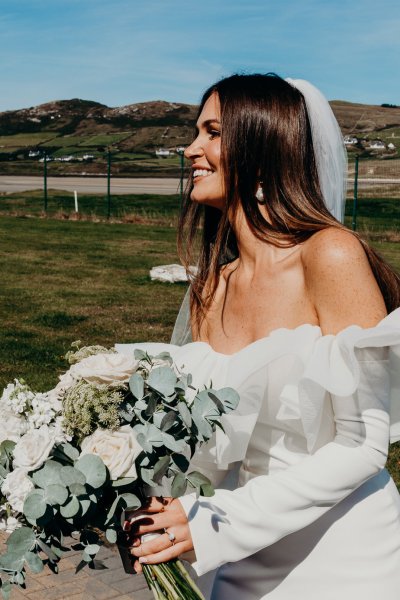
(72, 460)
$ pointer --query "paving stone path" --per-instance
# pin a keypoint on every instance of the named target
(88, 584)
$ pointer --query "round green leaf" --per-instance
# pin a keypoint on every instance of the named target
(92, 549)
(48, 474)
(56, 494)
(130, 501)
(70, 475)
(111, 536)
(34, 561)
(93, 468)
(35, 505)
(77, 489)
(71, 508)
(21, 540)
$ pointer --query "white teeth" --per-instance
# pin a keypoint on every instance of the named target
(201, 173)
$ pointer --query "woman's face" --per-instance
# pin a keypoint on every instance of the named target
(205, 154)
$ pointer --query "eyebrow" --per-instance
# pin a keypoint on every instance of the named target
(207, 123)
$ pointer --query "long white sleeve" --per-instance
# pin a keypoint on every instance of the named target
(235, 524)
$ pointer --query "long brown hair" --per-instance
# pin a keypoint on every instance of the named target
(265, 136)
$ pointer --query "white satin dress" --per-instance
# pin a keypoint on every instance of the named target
(314, 514)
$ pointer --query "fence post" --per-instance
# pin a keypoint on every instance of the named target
(355, 198)
(108, 183)
(45, 181)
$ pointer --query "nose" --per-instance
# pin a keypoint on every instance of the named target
(194, 150)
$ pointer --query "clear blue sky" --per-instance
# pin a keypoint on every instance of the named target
(125, 51)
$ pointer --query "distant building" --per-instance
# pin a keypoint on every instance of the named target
(377, 145)
(162, 152)
(349, 140)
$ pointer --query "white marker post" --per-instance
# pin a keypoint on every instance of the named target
(76, 201)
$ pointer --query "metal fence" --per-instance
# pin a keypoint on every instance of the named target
(372, 180)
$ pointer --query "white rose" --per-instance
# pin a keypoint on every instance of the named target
(33, 448)
(16, 487)
(105, 368)
(12, 427)
(117, 449)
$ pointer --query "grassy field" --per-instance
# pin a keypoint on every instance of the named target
(64, 280)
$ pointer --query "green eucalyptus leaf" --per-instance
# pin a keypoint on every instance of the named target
(35, 505)
(163, 381)
(70, 451)
(173, 444)
(92, 549)
(94, 470)
(12, 561)
(140, 354)
(136, 385)
(130, 501)
(181, 462)
(196, 479)
(56, 494)
(161, 468)
(19, 578)
(112, 509)
(34, 561)
(21, 540)
(71, 475)
(168, 420)
(228, 397)
(48, 474)
(6, 451)
(207, 490)
(152, 404)
(123, 481)
(185, 414)
(179, 485)
(143, 441)
(46, 549)
(6, 589)
(70, 509)
(111, 536)
(77, 489)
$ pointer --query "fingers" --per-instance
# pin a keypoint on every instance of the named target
(164, 555)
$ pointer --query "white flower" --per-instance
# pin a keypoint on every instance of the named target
(43, 410)
(9, 524)
(33, 448)
(17, 396)
(12, 427)
(105, 368)
(117, 449)
(16, 487)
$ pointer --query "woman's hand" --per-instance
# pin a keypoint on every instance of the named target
(161, 515)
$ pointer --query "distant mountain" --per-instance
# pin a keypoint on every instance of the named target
(78, 125)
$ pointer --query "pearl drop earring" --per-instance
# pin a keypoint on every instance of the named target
(260, 194)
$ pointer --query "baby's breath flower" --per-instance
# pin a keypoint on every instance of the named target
(87, 407)
(75, 356)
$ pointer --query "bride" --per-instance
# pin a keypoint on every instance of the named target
(291, 309)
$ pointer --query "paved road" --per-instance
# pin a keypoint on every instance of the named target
(95, 185)
(110, 584)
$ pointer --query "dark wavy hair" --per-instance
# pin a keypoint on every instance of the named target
(265, 136)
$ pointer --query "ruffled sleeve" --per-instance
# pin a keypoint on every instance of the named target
(334, 367)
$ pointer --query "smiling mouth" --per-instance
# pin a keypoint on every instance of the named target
(201, 173)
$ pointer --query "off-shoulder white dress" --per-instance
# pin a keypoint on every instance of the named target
(314, 515)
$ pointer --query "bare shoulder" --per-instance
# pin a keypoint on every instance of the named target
(340, 281)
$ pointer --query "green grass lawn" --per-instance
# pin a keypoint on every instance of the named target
(62, 203)
(64, 280)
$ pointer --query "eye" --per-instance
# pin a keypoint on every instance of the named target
(214, 133)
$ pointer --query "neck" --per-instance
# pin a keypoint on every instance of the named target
(254, 254)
